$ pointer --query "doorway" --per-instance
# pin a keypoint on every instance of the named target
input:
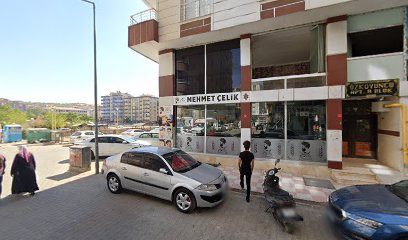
(359, 130)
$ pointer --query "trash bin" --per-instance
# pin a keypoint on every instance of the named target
(56, 136)
(38, 135)
(79, 158)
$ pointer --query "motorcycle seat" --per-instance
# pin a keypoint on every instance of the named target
(277, 192)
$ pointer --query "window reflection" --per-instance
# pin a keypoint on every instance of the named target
(190, 128)
(190, 71)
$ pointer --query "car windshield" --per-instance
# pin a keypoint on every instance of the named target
(400, 189)
(180, 161)
(130, 140)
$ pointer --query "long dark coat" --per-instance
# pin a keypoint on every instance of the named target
(23, 172)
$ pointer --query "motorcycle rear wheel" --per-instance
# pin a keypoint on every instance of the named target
(288, 227)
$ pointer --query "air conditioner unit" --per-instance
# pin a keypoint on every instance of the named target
(379, 106)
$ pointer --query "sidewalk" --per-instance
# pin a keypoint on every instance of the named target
(293, 184)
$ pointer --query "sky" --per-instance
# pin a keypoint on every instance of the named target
(46, 51)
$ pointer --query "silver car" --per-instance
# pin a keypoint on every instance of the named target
(166, 173)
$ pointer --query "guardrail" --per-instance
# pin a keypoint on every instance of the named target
(144, 16)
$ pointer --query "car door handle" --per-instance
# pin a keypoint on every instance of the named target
(145, 174)
(124, 168)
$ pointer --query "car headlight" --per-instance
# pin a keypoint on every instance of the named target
(361, 220)
(207, 187)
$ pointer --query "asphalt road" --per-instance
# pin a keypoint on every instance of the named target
(81, 207)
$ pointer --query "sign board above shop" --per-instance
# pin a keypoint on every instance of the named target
(201, 99)
(370, 89)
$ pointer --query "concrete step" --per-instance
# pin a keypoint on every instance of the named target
(354, 175)
(346, 180)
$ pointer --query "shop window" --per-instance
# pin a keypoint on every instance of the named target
(306, 123)
(224, 67)
(224, 129)
(190, 128)
(267, 130)
(190, 71)
(378, 41)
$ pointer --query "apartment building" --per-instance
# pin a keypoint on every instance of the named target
(311, 82)
(123, 108)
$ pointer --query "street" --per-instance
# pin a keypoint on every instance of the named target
(81, 207)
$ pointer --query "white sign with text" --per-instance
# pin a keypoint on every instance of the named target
(199, 99)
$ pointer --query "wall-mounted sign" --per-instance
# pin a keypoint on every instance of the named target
(372, 88)
(199, 99)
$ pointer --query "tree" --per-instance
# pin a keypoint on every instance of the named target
(9, 115)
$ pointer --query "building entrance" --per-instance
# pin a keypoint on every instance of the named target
(359, 130)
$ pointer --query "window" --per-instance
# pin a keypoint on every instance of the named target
(307, 123)
(224, 129)
(153, 162)
(190, 128)
(116, 140)
(180, 161)
(89, 133)
(155, 135)
(224, 66)
(76, 134)
(267, 131)
(378, 41)
(194, 8)
(190, 71)
(145, 135)
(305, 138)
(132, 158)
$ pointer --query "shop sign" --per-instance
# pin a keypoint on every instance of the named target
(372, 88)
(199, 99)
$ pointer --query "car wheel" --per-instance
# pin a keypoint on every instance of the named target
(114, 184)
(92, 155)
(184, 200)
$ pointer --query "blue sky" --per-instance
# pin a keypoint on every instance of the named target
(46, 51)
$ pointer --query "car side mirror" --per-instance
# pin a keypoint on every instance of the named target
(163, 170)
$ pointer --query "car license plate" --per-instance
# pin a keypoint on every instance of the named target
(288, 212)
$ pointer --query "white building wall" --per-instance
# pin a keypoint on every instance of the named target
(228, 13)
(336, 38)
(169, 19)
(310, 4)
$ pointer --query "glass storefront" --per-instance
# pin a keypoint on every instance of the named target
(190, 128)
(305, 138)
(224, 129)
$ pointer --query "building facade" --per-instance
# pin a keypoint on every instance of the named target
(312, 82)
(123, 108)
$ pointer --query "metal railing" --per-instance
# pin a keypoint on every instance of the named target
(144, 16)
(194, 8)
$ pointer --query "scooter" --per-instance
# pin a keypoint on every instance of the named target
(281, 203)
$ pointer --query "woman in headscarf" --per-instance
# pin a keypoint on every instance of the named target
(23, 172)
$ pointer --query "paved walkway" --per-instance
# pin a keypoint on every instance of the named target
(294, 185)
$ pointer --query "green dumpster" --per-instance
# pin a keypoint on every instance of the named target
(38, 135)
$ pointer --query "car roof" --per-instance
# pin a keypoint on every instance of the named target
(156, 150)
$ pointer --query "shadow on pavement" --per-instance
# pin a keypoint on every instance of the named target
(66, 161)
(63, 176)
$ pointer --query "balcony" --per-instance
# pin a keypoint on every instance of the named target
(376, 67)
(143, 34)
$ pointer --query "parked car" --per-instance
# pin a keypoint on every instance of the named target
(371, 211)
(166, 173)
(110, 145)
(149, 138)
(132, 132)
(79, 136)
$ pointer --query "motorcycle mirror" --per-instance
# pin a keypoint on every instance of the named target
(277, 161)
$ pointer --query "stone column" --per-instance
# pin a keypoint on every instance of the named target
(336, 42)
(246, 77)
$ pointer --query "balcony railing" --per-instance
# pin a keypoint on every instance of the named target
(194, 8)
(149, 14)
(292, 81)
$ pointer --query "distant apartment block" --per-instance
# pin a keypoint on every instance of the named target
(118, 107)
(81, 111)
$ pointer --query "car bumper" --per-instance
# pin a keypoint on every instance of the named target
(352, 230)
(211, 198)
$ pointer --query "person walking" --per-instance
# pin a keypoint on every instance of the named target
(23, 172)
(246, 166)
(2, 170)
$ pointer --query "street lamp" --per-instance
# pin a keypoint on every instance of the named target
(95, 93)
